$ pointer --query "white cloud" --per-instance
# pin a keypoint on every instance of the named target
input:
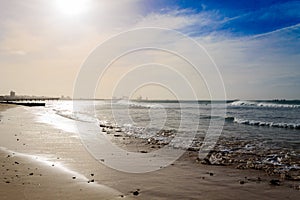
(176, 19)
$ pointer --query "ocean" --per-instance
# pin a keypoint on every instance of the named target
(253, 134)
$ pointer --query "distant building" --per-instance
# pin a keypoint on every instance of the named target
(12, 94)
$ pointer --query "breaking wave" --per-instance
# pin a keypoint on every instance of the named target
(269, 104)
(266, 124)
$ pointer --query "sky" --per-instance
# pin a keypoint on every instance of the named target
(255, 46)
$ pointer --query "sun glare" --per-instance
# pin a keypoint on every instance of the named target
(72, 7)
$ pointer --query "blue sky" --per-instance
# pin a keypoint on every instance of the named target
(262, 36)
(239, 18)
(256, 44)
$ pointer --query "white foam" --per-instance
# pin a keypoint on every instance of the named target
(269, 124)
(262, 104)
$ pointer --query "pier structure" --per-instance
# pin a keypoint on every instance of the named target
(25, 100)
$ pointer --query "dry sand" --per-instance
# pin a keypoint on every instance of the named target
(55, 157)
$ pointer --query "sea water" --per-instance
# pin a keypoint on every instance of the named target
(266, 130)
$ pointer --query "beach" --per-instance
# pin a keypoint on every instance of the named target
(40, 161)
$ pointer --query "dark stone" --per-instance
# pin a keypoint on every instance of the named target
(275, 182)
(30, 174)
(117, 135)
(135, 193)
(205, 161)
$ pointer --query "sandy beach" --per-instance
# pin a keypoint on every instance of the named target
(38, 161)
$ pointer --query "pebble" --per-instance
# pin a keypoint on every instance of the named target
(117, 135)
(275, 182)
(135, 193)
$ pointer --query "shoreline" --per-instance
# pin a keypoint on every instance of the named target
(32, 176)
(185, 178)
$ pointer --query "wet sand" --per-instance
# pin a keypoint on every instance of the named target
(27, 176)
(63, 169)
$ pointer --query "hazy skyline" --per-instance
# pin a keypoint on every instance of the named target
(255, 44)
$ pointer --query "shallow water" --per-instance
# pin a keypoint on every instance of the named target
(260, 128)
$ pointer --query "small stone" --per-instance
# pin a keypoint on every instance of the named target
(30, 174)
(242, 182)
(275, 182)
(135, 193)
(17, 163)
(205, 161)
(211, 174)
(92, 174)
(74, 177)
(144, 151)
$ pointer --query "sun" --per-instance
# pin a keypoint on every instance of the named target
(72, 7)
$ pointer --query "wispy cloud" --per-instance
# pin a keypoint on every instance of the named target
(293, 27)
(180, 19)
